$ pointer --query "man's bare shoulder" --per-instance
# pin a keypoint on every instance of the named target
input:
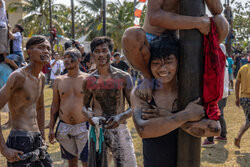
(120, 73)
(18, 76)
(83, 74)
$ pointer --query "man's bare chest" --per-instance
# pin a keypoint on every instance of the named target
(68, 88)
(29, 92)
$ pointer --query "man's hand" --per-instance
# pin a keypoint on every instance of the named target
(113, 122)
(204, 26)
(52, 136)
(195, 111)
(154, 113)
(237, 102)
(11, 154)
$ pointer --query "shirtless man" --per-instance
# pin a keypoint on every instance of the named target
(162, 16)
(157, 121)
(72, 129)
(108, 87)
(24, 94)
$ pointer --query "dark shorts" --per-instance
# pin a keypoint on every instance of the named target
(27, 142)
(245, 103)
(83, 156)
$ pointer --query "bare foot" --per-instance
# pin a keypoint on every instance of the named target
(237, 142)
(6, 125)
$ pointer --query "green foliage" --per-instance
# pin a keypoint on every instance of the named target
(241, 22)
(36, 20)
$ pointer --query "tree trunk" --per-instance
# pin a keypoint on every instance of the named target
(190, 80)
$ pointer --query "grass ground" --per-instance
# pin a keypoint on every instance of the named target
(224, 154)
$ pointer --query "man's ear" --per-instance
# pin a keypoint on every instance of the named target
(28, 52)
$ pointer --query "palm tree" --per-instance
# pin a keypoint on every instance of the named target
(36, 20)
(93, 20)
(120, 17)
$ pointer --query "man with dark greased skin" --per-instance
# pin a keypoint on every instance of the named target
(108, 87)
(72, 129)
(162, 18)
(24, 94)
(157, 121)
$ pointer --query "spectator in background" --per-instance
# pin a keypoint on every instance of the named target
(3, 30)
(244, 60)
(118, 63)
(16, 59)
(237, 64)
(57, 67)
(230, 72)
(53, 35)
(47, 70)
(85, 65)
(242, 93)
(5, 71)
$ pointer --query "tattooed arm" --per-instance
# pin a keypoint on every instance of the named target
(87, 97)
(54, 111)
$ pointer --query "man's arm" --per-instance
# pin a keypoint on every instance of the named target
(54, 111)
(168, 20)
(127, 92)
(87, 97)
(214, 6)
(160, 126)
(14, 82)
(40, 110)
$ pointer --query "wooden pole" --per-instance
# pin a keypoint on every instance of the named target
(190, 81)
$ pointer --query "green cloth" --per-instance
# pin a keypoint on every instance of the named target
(92, 135)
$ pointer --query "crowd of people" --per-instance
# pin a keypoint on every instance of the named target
(95, 93)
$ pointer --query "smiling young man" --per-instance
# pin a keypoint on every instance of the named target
(157, 121)
(72, 129)
(24, 94)
(162, 17)
(108, 87)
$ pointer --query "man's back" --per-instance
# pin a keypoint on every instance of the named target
(244, 78)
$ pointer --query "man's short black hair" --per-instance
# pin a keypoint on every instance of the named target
(117, 54)
(19, 27)
(164, 46)
(35, 40)
(102, 40)
(73, 52)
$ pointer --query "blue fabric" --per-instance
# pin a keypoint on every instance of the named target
(230, 63)
(17, 42)
(150, 37)
(83, 156)
(5, 72)
(243, 62)
(17, 56)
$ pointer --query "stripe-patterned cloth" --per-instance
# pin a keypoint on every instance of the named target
(138, 11)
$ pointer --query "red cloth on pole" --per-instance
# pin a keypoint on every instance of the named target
(214, 69)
